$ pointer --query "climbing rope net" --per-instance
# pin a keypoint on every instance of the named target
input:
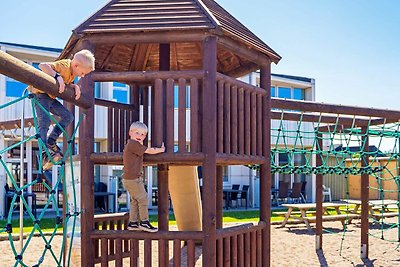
(68, 221)
(342, 149)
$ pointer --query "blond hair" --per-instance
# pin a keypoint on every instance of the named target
(86, 58)
(138, 125)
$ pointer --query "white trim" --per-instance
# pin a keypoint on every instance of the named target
(290, 81)
(30, 51)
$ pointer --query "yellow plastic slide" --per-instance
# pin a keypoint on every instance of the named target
(184, 190)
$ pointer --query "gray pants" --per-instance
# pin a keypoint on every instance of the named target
(139, 200)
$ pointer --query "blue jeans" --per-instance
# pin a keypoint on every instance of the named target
(56, 108)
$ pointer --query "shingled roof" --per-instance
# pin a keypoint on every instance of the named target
(146, 17)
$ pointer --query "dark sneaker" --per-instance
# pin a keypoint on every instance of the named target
(146, 226)
(133, 226)
(46, 162)
(55, 149)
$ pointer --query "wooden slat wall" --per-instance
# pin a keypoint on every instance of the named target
(234, 117)
(160, 121)
(237, 245)
(239, 114)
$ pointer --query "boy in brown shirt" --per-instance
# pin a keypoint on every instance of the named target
(132, 177)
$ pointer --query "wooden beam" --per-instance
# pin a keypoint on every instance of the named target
(139, 57)
(334, 109)
(149, 37)
(329, 119)
(15, 124)
(20, 71)
(144, 76)
(251, 54)
(109, 56)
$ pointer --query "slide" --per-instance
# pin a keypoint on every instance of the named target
(184, 190)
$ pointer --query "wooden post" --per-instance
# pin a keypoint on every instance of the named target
(209, 149)
(318, 190)
(364, 197)
(265, 168)
(162, 169)
(70, 128)
(86, 141)
(134, 101)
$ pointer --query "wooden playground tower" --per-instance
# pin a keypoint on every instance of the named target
(195, 46)
(200, 48)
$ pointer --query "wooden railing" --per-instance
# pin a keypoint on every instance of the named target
(112, 242)
(240, 117)
(119, 118)
(170, 104)
(236, 246)
(240, 245)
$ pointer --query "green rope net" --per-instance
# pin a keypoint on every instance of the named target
(343, 152)
(67, 222)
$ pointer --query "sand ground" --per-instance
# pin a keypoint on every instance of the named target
(292, 245)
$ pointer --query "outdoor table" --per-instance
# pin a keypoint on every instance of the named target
(377, 208)
(304, 207)
(228, 193)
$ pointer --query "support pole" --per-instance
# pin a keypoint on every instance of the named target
(209, 148)
(265, 168)
(364, 197)
(318, 190)
(86, 143)
(159, 123)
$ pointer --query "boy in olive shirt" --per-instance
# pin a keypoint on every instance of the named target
(132, 177)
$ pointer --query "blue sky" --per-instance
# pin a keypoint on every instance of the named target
(351, 48)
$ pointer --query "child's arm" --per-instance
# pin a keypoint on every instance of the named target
(46, 68)
(155, 150)
(77, 91)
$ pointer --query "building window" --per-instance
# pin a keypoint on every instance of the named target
(284, 92)
(273, 91)
(120, 92)
(14, 88)
(225, 174)
(298, 94)
(288, 93)
(97, 92)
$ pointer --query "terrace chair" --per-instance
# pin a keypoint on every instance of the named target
(295, 195)
(303, 191)
(244, 195)
(230, 196)
(283, 191)
(326, 192)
